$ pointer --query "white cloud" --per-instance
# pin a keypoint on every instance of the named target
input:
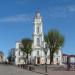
(17, 18)
(57, 12)
(19, 2)
(71, 8)
(61, 12)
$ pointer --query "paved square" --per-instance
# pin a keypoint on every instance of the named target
(11, 70)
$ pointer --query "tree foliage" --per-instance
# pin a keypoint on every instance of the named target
(27, 46)
(55, 40)
(11, 57)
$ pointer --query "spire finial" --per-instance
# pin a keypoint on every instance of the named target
(37, 13)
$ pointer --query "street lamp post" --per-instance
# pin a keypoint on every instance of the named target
(46, 50)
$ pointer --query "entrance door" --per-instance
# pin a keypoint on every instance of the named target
(57, 62)
(38, 60)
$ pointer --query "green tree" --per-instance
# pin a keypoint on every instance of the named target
(9, 59)
(55, 40)
(27, 47)
(11, 55)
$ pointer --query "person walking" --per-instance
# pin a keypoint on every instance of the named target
(68, 63)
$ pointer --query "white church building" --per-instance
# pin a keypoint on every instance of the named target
(38, 55)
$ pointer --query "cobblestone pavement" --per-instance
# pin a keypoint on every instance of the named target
(61, 73)
(56, 70)
(12, 70)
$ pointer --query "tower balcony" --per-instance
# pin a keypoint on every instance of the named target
(36, 46)
(37, 34)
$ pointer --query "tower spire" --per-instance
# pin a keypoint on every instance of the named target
(37, 11)
(37, 14)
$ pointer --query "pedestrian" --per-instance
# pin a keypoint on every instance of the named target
(68, 63)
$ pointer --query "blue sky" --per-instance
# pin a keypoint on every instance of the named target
(16, 21)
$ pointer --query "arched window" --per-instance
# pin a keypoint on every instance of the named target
(38, 42)
(38, 29)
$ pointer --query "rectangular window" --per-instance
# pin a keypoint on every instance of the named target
(20, 46)
(37, 53)
(19, 59)
(19, 53)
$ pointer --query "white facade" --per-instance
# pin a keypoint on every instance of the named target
(38, 38)
(19, 55)
(72, 59)
(38, 55)
(58, 58)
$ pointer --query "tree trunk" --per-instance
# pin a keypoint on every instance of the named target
(30, 58)
(51, 57)
(27, 58)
